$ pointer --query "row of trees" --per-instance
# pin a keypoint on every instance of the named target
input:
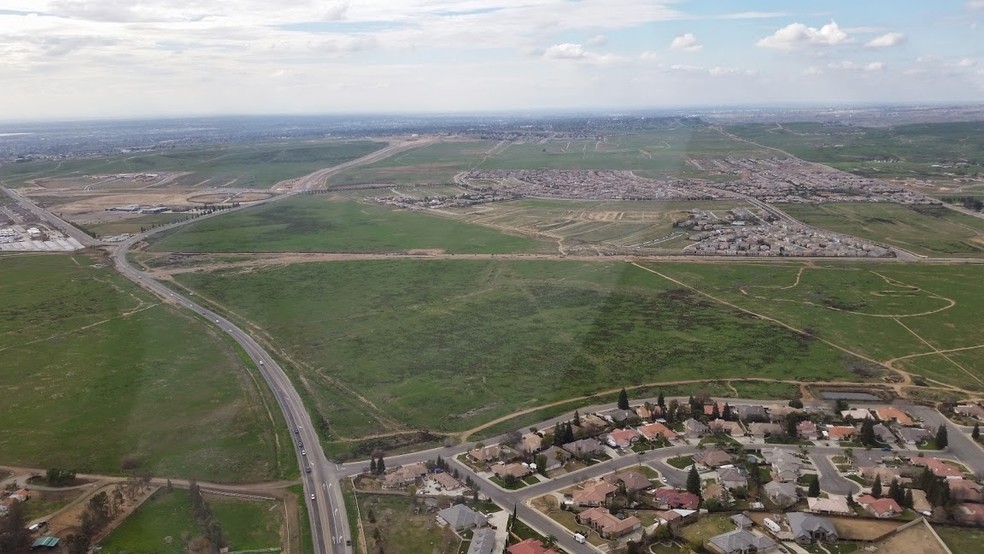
(211, 540)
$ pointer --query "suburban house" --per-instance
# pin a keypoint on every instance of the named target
(840, 432)
(781, 494)
(856, 414)
(886, 474)
(633, 481)
(965, 490)
(516, 470)
(831, 505)
(404, 475)
(731, 428)
(460, 517)
(742, 521)
(622, 438)
(763, 430)
(785, 465)
(809, 528)
(676, 518)
(864, 457)
(911, 436)
(446, 481)
(618, 415)
(750, 414)
(883, 433)
(741, 541)
(891, 413)
(529, 546)
(645, 413)
(970, 514)
(778, 414)
(879, 507)
(732, 477)
(584, 448)
(668, 499)
(488, 454)
(608, 525)
(806, 429)
(970, 410)
(532, 442)
(716, 491)
(554, 457)
(594, 495)
(695, 429)
(938, 467)
(652, 431)
(482, 541)
(712, 458)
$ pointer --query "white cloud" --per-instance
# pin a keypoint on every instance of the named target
(810, 71)
(753, 15)
(975, 4)
(886, 40)
(852, 66)
(565, 51)
(730, 71)
(686, 42)
(649, 56)
(966, 62)
(798, 35)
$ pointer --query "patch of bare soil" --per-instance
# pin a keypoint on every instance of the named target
(918, 539)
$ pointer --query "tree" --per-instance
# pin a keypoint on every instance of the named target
(372, 465)
(907, 499)
(868, 437)
(380, 465)
(728, 413)
(623, 400)
(77, 543)
(693, 481)
(796, 403)
(14, 536)
(876, 488)
(660, 400)
(896, 493)
(715, 412)
(577, 419)
(941, 439)
(814, 490)
(976, 433)
(850, 499)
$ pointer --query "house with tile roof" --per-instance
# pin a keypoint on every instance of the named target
(879, 507)
(608, 525)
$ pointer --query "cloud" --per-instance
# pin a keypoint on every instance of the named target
(686, 42)
(966, 62)
(565, 51)
(852, 66)
(597, 40)
(730, 71)
(752, 15)
(810, 71)
(886, 40)
(798, 35)
(975, 4)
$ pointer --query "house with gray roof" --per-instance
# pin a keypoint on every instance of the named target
(583, 448)
(695, 429)
(732, 477)
(482, 542)
(781, 494)
(460, 517)
(809, 528)
(740, 541)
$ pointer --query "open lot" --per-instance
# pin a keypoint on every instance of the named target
(316, 223)
(656, 153)
(397, 524)
(900, 315)
(165, 523)
(926, 230)
(101, 377)
(936, 151)
(238, 166)
(961, 540)
(447, 344)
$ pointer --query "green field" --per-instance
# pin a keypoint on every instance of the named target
(925, 230)
(656, 153)
(134, 225)
(239, 166)
(621, 226)
(447, 344)
(396, 528)
(314, 223)
(246, 525)
(900, 151)
(884, 311)
(100, 377)
(961, 540)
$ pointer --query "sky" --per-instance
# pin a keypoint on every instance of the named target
(83, 59)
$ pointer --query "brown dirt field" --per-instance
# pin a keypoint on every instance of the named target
(251, 196)
(918, 539)
(860, 529)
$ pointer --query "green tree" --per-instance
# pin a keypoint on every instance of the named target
(895, 492)
(868, 437)
(941, 439)
(380, 465)
(372, 465)
(660, 400)
(577, 419)
(976, 433)
(14, 536)
(907, 499)
(814, 490)
(796, 403)
(623, 400)
(876, 487)
(693, 481)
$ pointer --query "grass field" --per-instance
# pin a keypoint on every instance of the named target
(883, 312)
(98, 376)
(617, 225)
(314, 223)
(657, 153)
(961, 540)
(900, 151)
(246, 525)
(134, 225)
(926, 230)
(239, 166)
(445, 345)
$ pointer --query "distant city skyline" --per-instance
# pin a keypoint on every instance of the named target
(75, 59)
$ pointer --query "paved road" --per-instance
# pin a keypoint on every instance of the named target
(59, 223)
(830, 479)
